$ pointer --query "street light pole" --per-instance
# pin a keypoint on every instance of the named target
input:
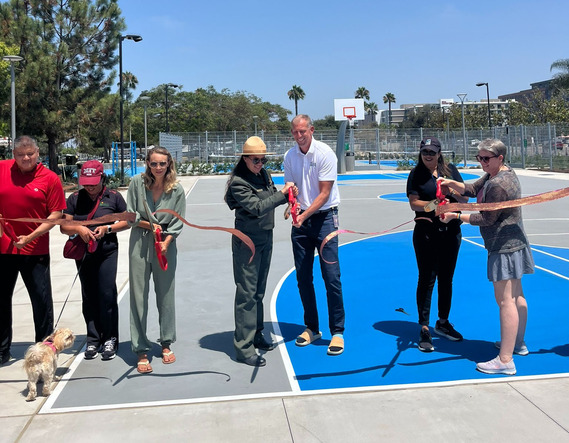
(488, 97)
(136, 39)
(12, 59)
(172, 85)
(145, 100)
(255, 117)
(462, 97)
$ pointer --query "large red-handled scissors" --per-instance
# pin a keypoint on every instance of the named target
(441, 198)
(157, 232)
(293, 205)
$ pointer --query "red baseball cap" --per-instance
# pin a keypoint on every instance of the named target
(91, 173)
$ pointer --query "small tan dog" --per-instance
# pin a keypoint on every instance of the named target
(40, 361)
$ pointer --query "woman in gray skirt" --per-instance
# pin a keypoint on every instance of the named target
(509, 254)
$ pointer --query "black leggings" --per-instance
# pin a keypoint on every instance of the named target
(436, 249)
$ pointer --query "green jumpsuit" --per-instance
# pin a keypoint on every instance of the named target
(254, 198)
(143, 261)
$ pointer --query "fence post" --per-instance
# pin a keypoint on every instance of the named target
(522, 146)
(378, 148)
(206, 153)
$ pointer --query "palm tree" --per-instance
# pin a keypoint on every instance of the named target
(561, 79)
(362, 92)
(389, 98)
(371, 108)
(129, 82)
(296, 94)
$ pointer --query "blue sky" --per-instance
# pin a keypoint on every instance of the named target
(421, 51)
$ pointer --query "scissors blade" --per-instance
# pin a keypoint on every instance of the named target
(431, 206)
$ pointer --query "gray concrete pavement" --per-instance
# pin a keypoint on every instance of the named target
(508, 409)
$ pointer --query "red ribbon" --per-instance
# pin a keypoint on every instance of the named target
(347, 231)
(293, 205)
(236, 232)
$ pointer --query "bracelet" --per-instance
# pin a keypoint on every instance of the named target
(109, 229)
(458, 217)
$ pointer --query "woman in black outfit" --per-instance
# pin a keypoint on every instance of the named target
(98, 269)
(436, 243)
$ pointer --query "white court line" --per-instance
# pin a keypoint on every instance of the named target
(293, 382)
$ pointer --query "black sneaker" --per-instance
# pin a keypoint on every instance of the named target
(446, 330)
(109, 349)
(426, 341)
(91, 352)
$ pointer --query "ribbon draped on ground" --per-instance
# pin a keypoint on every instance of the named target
(236, 232)
(444, 207)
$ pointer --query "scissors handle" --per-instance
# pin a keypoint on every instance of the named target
(162, 260)
(92, 245)
(293, 205)
(9, 231)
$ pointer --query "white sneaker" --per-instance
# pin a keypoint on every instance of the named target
(495, 366)
(519, 350)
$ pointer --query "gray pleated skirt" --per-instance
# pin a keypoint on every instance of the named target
(510, 265)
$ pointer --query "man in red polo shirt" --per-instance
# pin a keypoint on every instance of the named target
(27, 190)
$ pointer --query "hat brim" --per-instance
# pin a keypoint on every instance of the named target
(90, 181)
(255, 153)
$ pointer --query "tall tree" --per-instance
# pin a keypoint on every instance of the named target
(371, 108)
(389, 98)
(362, 92)
(68, 48)
(129, 83)
(296, 94)
(561, 79)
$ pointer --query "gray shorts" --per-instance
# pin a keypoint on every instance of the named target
(510, 265)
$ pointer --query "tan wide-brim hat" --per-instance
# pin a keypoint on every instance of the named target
(255, 146)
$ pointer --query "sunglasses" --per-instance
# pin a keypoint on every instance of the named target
(485, 159)
(155, 164)
(257, 160)
(429, 153)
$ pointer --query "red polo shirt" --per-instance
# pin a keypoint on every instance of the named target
(34, 194)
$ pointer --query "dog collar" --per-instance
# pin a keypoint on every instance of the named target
(51, 345)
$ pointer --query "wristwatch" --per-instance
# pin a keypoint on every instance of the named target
(109, 229)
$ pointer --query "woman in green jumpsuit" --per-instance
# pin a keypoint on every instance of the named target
(159, 189)
(253, 195)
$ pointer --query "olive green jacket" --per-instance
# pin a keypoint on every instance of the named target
(254, 198)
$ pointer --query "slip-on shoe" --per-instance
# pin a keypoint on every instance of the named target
(254, 360)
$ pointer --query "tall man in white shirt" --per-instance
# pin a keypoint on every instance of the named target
(312, 166)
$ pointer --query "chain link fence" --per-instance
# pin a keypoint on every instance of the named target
(544, 146)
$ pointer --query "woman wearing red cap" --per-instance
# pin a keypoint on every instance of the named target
(98, 269)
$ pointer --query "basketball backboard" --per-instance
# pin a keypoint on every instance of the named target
(349, 109)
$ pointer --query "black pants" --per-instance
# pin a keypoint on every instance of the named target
(35, 273)
(436, 250)
(98, 275)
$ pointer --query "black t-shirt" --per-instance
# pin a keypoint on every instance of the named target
(80, 205)
(423, 184)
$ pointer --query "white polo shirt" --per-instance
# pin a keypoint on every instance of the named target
(307, 170)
